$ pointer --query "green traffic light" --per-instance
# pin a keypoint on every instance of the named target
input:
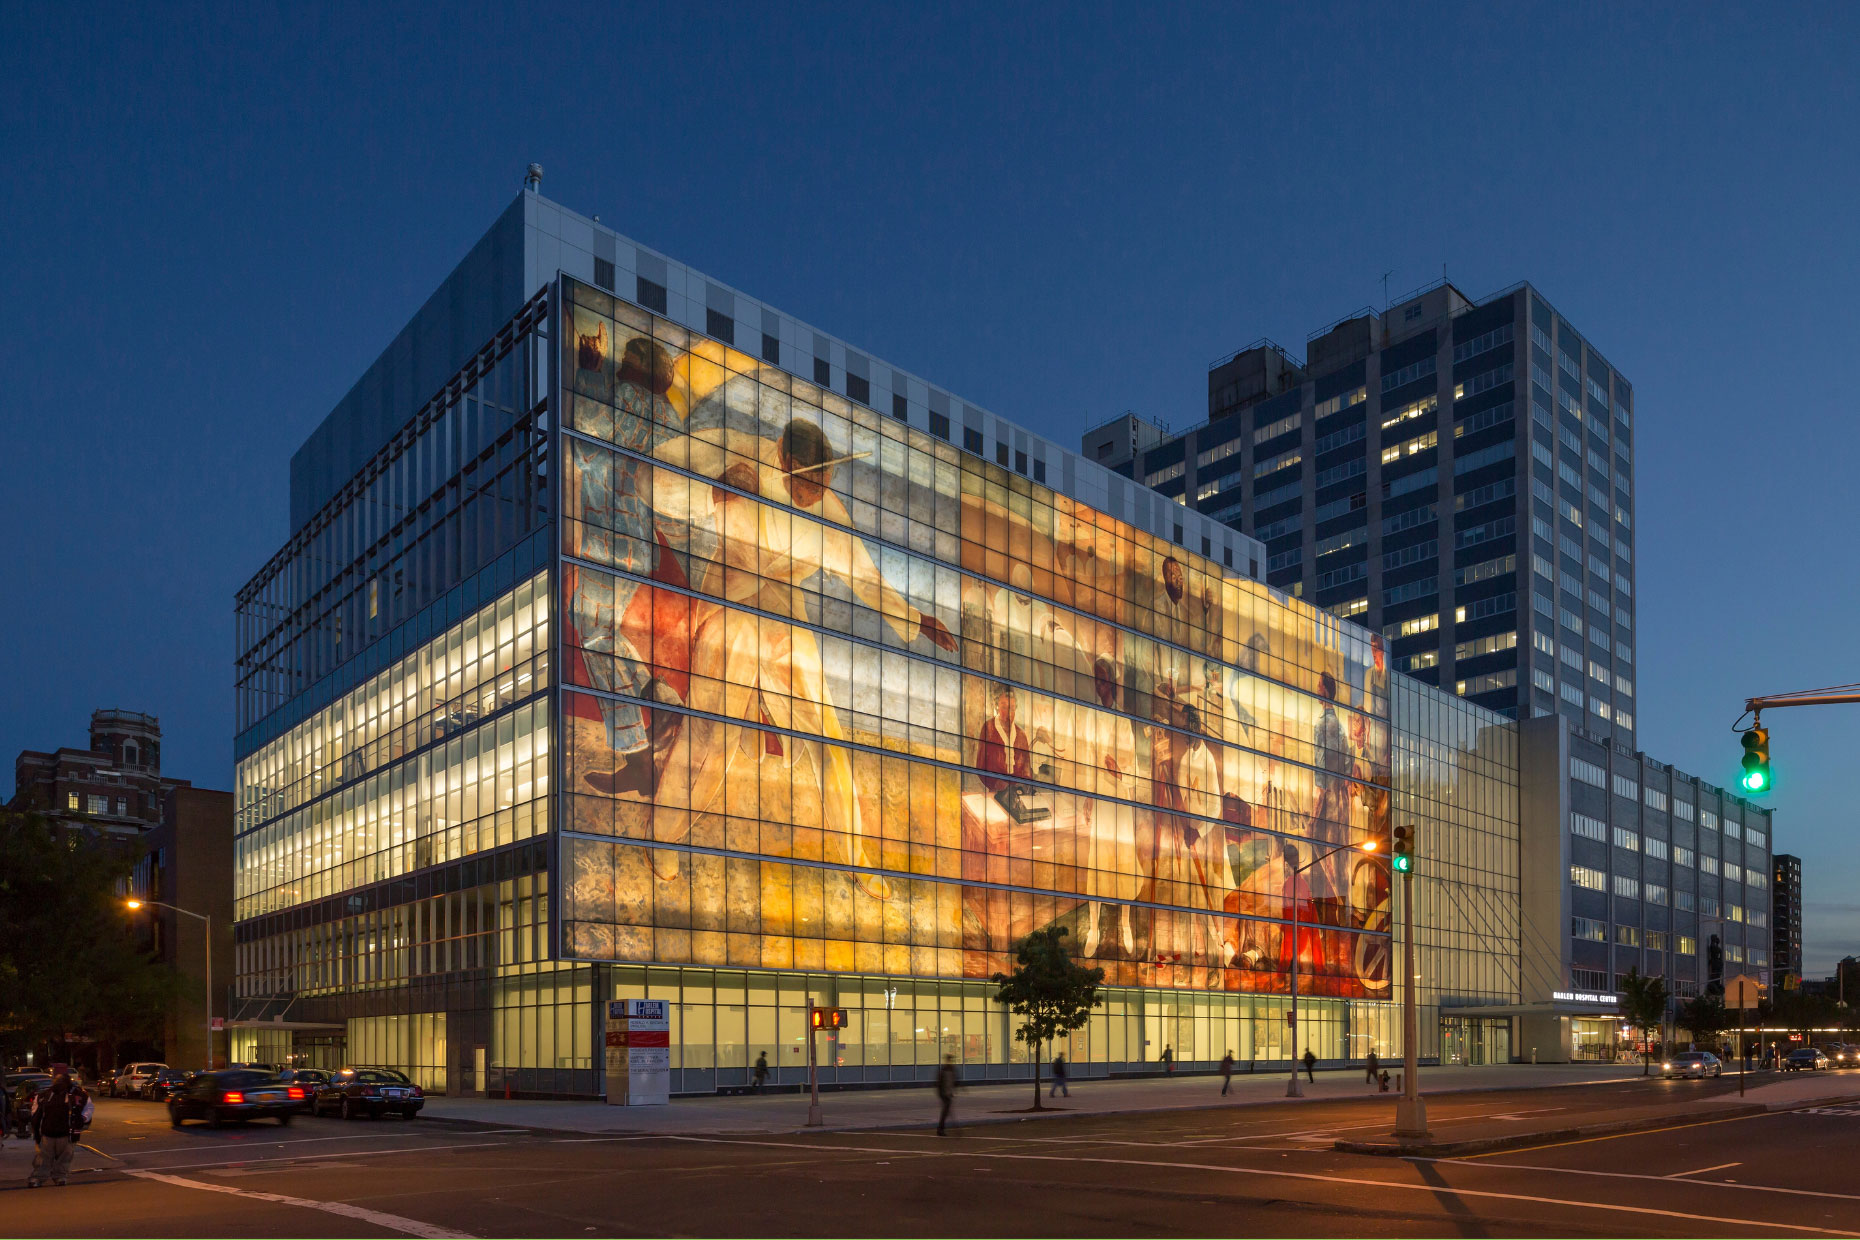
(1756, 781)
(1404, 864)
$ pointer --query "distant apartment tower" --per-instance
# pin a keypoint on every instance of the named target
(1456, 475)
(1786, 950)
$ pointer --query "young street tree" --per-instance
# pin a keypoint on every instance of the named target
(1049, 991)
(1706, 1017)
(1643, 1002)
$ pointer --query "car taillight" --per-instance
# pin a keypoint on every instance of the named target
(232, 1098)
(417, 1093)
(295, 1093)
(368, 1091)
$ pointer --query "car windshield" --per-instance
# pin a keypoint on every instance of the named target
(1689, 1057)
(244, 1077)
(380, 1076)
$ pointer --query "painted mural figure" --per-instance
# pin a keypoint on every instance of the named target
(1105, 745)
(772, 674)
(616, 529)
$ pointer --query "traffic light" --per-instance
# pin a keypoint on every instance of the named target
(1402, 850)
(1714, 959)
(829, 1018)
(1756, 760)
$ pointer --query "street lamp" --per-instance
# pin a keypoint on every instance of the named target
(1292, 1088)
(134, 904)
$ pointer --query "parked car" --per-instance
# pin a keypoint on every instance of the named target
(1806, 1058)
(255, 1067)
(164, 1084)
(24, 1086)
(1693, 1064)
(129, 1081)
(373, 1092)
(234, 1095)
(310, 1080)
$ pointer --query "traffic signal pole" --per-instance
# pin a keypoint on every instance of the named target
(813, 1071)
(1410, 1111)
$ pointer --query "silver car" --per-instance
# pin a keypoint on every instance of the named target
(1692, 1063)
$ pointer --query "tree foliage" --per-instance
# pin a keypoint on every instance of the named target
(1706, 1016)
(69, 963)
(1643, 1002)
(1051, 993)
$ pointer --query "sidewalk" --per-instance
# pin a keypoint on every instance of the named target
(993, 1103)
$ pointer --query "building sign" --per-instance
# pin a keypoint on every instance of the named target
(1583, 996)
(639, 1052)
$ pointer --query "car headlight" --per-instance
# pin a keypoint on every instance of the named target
(1666, 1067)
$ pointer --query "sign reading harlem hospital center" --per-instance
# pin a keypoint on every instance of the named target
(838, 696)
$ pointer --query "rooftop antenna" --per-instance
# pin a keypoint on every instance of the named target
(532, 180)
(1385, 275)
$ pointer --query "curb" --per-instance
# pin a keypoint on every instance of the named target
(974, 1120)
(1653, 1123)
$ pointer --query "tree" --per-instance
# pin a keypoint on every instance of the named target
(1049, 991)
(1643, 1002)
(68, 961)
(1706, 1017)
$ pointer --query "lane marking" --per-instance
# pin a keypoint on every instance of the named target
(285, 1158)
(1680, 1175)
(1332, 1179)
(1630, 1175)
(1613, 1136)
(378, 1218)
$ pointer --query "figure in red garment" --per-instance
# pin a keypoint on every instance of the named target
(1004, 749)
(1310, 942)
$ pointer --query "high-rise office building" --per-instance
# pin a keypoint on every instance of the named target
(635, 640)
(1786, 954)
(1456, 475)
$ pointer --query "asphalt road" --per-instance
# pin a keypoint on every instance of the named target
(1246, 1171)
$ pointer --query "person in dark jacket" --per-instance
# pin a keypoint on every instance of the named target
(762, 1070)
(1059, 1078)
(945, 1091)
(1369, 1072)
(1227, 1073)
(1310, 1064)
(58, 1116)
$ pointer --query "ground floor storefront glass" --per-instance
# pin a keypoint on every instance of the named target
(1473, 1040)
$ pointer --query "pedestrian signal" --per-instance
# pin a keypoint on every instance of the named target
(829, 1018)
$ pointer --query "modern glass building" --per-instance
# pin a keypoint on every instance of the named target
(1457, 475)
(635, 640)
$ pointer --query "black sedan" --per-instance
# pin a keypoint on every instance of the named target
(373, 1092)
(165, 1084)
(310, 1080)
(234, 1095)
(1805, 1059)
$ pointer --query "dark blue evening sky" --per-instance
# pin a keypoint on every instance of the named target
(212, 219)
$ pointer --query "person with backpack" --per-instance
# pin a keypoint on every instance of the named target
(1059, 1078)
(762, 1070)
(945, 1091)
(58, 1118)
(1167, 1059)
(1310, 1064)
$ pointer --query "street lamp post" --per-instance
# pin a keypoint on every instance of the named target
(201, 917)
(1292, 1088)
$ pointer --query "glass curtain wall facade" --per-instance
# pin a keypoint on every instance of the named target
(771, 697)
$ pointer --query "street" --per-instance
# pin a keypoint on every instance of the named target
(1255, 1170)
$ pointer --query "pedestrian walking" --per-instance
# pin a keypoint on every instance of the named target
(1167, 1058)
(1369, 1073)
(1227, 1073)
(762, 1070)
(945, 1091)
(1059, 1078)
(1310, 1063)
(58, 1116)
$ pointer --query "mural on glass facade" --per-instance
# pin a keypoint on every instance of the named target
(841, 697)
